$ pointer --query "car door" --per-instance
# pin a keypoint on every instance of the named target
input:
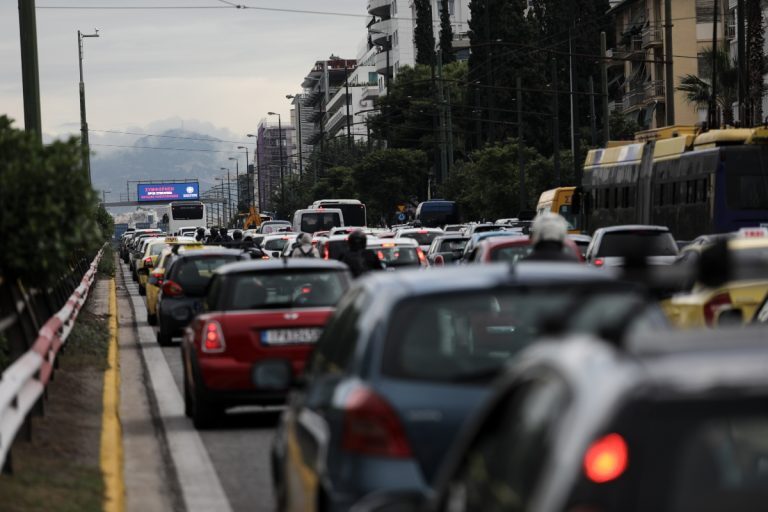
(309, 417)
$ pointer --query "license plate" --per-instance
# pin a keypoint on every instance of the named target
(291, 336)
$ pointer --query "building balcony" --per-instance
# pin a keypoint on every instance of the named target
(380, 63)
(379, 8)
(381, 31)
(370, 92)
(654, 90)
(336, 122)
(653, 35)
(315, 116)
(643, 95)
(337, 101)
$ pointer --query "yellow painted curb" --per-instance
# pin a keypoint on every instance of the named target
(111, 432)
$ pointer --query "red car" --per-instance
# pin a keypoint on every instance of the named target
(260, 322)
(512, 250)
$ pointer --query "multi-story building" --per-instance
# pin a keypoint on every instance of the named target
(391, 29)
(352, 103)
(640, 51)
(276, 147)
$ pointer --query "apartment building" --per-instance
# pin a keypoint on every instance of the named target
(276, 148)
(639, 55)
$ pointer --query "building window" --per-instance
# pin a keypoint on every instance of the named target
(451, 7)
(394, 38)
(394, 7)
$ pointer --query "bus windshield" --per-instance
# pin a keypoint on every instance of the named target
(187, 211)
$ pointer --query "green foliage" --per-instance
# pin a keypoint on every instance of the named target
(622, 127)
(107, 261)
(446, 33)
(488, 185)
(423, 34)
(756, 65)
(105, 222)
(698, 90)
(46, 207)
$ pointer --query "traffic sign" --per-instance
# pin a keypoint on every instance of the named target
(401, 207)
(401, 217)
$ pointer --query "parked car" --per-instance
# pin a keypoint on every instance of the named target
(260, 321)
(673, 422)
(184, 287)
(610, 246)
(407, 357)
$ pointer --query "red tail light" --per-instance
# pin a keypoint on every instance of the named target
(422, 258)
(598, 262)
(606, 459)
(380, 255)
(372, 427)
(326, 252)
(172, 289)
(213, 338)
(147, 261)
(714, 305)
(159, 277)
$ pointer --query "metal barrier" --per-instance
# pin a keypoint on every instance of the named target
(23, 383)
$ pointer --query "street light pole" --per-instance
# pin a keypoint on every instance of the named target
(280, 145)
(250, 176)
(299, 98)
(84, 144)
(237, 183)
(258, 172)
(229, 197)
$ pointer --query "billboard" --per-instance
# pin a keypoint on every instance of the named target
(169, 191)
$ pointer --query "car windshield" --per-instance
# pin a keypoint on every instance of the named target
(461, 336)
(293, 289)
(702, 456)
(194, 273)
(421, 237)
(652, 242)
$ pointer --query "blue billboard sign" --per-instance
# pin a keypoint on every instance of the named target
(169, 191)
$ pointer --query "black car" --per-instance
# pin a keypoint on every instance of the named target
(184, 287)
(677, 422)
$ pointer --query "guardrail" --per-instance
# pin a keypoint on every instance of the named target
(24, 381)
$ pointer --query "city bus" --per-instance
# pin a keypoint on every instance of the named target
(184, 214)
(559, 200)
(353, 210)
(436, 213)
(714, 182)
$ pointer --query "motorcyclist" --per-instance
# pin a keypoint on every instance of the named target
(200, 236)
(303, 247)
(359, 259)
(213, 237)
(224, 236)
(548, 233)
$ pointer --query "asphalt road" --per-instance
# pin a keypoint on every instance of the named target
(238, 447)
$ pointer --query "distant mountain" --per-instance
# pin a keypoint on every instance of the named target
(176, 154)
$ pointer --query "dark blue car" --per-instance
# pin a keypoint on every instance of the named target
(407, 358)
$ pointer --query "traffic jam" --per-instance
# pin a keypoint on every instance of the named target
(518, 364)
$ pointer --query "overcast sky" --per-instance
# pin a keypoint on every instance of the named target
(152, 69)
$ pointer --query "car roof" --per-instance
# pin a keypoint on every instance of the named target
(280, 264)
(396, 242)
(418, 230)
(452, 236)
(632, 227)
(449, 279)
(208, 252)
(493, 243)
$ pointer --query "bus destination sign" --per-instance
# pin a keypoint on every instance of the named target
(169, 191)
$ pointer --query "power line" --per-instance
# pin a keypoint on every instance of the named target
(167, 149)
(173, 137)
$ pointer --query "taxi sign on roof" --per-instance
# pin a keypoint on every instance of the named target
(171, 239)
(755, 232)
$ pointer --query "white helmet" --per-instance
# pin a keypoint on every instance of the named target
(548, 227)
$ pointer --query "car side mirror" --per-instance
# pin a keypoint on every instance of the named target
(392, 501)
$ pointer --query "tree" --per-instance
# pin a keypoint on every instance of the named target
(698, 90)
(622, 127)
(423, 35)
(446, 33)
(756, 59)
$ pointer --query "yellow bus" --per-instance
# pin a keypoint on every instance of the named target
(558, 200)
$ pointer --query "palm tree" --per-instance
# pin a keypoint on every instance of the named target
(697, 90)
(756, 59)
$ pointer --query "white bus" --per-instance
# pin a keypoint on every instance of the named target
(184, 214)
(353, 210)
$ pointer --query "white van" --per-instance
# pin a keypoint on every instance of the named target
(317, 219)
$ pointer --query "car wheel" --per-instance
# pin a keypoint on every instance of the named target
(151, 318)
(163, 337)
(204, 414)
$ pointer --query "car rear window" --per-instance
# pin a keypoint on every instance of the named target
(157, 249)
(512, 254)
(471, 336)
(276, 244)
(194, 274)
(702, 455)
(294, 289)
(654, 243)
(397, 256)
(320, 221)
(452, 245)
(422, 238)
(335, 248)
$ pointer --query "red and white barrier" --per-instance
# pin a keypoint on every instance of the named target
(23, 383)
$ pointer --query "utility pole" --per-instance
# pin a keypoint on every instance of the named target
(592, 120)
(237, 183)
(604, 88)
(669, 76)
(441, 112)
(575, 150)
(30, 73)
(449, 123)
(740, 62)
(84, 142)
(249, 175)
(348, 100)
(712, 114)
(556, 124)
(520, 142)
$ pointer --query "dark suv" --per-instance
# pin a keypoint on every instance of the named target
(184, 287)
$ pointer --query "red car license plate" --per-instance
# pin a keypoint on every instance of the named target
(291, 336)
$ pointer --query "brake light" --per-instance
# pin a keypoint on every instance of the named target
(159, 277)
(599, 262)
(172, 289)
(422, 231)
(213, 341)
(422, 258)
(372, 427)
(326, 252)
(606, 459)
(715, 304)
(380, 255)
